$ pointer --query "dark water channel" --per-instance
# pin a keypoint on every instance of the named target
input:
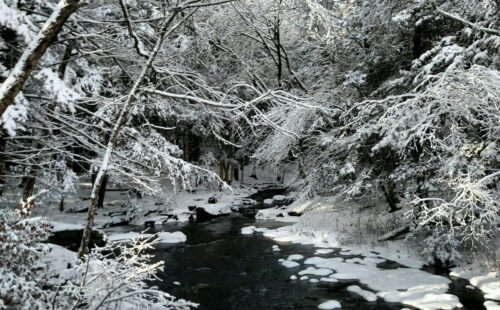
(220, 268)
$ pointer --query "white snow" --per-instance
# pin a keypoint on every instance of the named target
(367, 295)
(276, 248)
(491, 305)
(248, 230)
(171, 237)
(330, 280)
(293, 277)
(425, 297)
(127, 236)
(324, 251)
(316, 272)
(290, 264)
(487, 282)
(330, 304)
(268, 201)
(217, 209)
(409, 286)
(279, 198)
(176, 283)
(313, 280)
(295, 257)
(60, 226)
(304, 277)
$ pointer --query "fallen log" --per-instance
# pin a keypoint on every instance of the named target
(394, 234)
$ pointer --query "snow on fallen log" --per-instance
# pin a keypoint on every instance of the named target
(394, 234)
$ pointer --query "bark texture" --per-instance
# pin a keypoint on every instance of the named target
(35, 50)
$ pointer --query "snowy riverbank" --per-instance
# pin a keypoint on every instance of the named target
(351, 233)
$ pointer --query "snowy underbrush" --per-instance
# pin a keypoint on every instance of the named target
(352, 223)
(366, 225)
(36, 275)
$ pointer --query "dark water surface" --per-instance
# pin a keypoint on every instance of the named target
(220, 268)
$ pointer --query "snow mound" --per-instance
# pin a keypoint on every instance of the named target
(330, 304)
(491, 305)
(217, 209)
(295, 257)
(127, 236)
(248, 230)
(367, 295)
(60, 226)
(289, 264)
(316, 272)
(171, 237)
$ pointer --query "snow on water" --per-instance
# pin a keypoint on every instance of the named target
(290, 263)
(276, 213)
(164, 237)
(427, 297)
(171, 237)
(316, 272)
(248, 230)
(330, 304)
(217, 209)
(126, 236)
(59, 226)
(489, 283)
(367, 295)
(329, 280)
(406, 285)
(295, 257)
(491, 305)
(324, 251)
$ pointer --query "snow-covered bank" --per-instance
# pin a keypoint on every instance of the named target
(341, 233)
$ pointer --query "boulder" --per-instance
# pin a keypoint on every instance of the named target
(72, 238)
(208, 212)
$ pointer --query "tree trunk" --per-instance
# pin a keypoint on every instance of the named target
(242, 168)
(61, 204)
(221, 169)
(28, 187)
(64, 64)
(102, 192)
(3, 143)
(390, 196)
(122, 118)
(35, 50)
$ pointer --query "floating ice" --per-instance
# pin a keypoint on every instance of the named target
(330, 304)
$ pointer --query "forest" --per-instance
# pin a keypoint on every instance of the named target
(250, 154)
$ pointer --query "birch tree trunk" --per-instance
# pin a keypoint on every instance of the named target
(35, 50)
(131, 98)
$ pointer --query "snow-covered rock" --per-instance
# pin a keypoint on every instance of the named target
(171, 237)
(367, 295)
(330, 304)
(127, 237)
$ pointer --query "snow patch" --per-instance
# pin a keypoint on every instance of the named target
(290, 264)
(330, 304)
(367, 295)
(171, 237)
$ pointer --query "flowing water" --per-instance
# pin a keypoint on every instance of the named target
(220, 268)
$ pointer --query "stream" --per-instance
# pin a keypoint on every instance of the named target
(220, 268)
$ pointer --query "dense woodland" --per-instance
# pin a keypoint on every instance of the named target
(392, 100)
